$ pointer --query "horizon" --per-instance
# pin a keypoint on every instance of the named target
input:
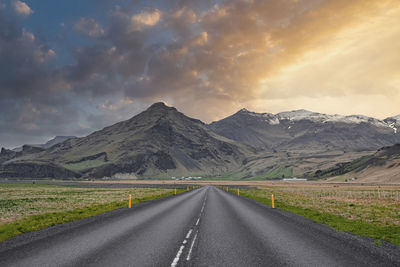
(72, 67)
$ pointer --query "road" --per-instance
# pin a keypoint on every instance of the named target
(203, 227)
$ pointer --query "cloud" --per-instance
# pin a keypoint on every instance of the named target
(207, 59)
(21, 8)
(145, 19)
(89, 27)
(238, 52)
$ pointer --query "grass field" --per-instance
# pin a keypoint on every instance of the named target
(30, 207)
(365, 211)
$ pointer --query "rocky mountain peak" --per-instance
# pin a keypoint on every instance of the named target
(160, 106)
(158, 110)
(244, 110)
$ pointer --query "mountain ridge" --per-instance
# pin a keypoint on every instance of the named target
(299, 129)
(57, 139)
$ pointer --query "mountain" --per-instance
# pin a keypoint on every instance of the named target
(162, 142)
(306, 131)
(158, 142)
(48, 144)
(393, 122)
(383, 167)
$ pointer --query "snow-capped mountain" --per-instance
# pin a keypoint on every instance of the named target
(304, 130)
(393, 122)
(302, 114)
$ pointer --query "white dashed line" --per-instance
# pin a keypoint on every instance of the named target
(178, 255)
(191, 246)
(189, 233)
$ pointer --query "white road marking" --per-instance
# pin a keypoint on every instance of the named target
(189, 233)
(178, 255)
(191, 246)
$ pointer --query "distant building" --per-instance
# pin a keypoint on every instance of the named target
(294, 179)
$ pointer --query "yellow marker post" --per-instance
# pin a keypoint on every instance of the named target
(238, 191)
(130, 201)
(187, 188)
(174, 191)
(273, 201)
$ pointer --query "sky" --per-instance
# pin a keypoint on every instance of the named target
(72, 67)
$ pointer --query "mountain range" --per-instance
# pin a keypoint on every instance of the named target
(162, 142)
(158, 141)
(306, 131)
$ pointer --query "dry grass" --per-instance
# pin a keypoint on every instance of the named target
(23, 200)
(372, 211)
(371, 205)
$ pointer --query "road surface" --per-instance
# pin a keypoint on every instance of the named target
(203, 227)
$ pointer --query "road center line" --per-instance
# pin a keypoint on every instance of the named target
(191, 246)
(189, 233)
(178, 255)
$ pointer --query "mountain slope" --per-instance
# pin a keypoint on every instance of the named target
(383, 166)
(158, 142)
(306, 131)
(48, 144)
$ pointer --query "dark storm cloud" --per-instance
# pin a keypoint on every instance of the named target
(28, 81)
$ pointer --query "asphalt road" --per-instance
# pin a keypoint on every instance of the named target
(203, 227)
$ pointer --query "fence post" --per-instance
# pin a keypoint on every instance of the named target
(273, 201)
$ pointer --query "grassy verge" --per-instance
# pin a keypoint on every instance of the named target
(37, 202)
(376, 218)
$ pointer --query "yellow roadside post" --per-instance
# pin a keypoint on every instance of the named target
(174, 191)
(187, 188)
(238, 191)
(130, 201)
(273, 201)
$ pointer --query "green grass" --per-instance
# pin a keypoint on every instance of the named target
(279, 173)
(276, 173)
(368, 226)
(84, 165)
(43, 198)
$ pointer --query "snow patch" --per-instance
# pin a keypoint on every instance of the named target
(393, 126)
(274, 121)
